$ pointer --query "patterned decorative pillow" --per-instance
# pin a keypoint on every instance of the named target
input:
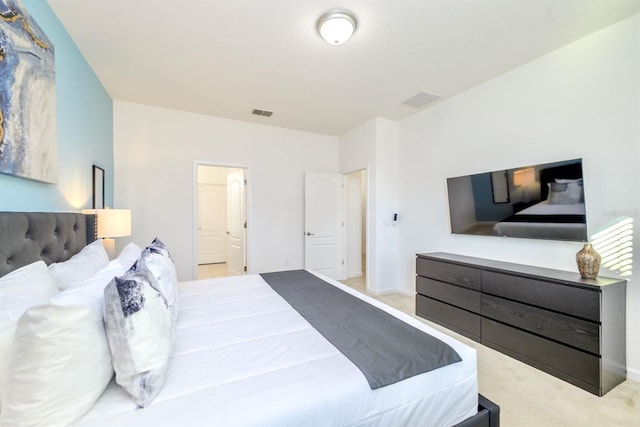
(140, 328)
(157, 260)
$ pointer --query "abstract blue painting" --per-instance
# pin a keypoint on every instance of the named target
(28, 139)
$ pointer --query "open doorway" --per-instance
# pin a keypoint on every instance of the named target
(221, 225)
(356, 215)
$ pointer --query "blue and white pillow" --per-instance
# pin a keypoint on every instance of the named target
(156, 259)
(140, 329)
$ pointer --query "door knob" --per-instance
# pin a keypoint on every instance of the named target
(310, 234)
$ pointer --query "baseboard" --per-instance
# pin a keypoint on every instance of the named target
(633, 374)
(391, 291)
(382, 292)
(354, 274)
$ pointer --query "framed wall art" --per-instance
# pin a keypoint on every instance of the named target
(28, 133)
(98, 187)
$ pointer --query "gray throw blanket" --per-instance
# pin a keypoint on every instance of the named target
(383, 347)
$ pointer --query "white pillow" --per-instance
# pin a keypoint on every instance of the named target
(577, 181)
(564, 193)
(156, 259)
(81, 266)
(104, 275)
(19, 290)
(129, 255)
(59, 362)
(140, 329)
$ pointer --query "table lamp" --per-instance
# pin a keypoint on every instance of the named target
(111, 223)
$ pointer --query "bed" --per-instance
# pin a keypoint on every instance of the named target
(242, 355)
(561, 213)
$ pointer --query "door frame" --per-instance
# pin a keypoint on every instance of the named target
(194, 211)
(369, 264)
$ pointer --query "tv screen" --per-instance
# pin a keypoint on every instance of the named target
(543, 201)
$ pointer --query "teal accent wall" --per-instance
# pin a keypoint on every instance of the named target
(486, 209)
(85, 130)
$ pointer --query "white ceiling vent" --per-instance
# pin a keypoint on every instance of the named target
(262, 112)
(421, 99)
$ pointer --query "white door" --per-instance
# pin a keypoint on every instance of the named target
(324, 214)
(212, 223)
(236, 223)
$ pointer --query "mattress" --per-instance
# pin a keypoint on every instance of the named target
(546, 229)
(546, 208)
(244, 357)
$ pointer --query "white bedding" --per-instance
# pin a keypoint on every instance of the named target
(546, 230)
(244, 357)
(546, 208)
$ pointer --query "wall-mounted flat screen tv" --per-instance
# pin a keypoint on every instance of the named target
(543, 201)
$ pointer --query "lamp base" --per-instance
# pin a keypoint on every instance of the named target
(110, 247)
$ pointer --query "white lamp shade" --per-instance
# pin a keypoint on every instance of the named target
(113, 222)
(524, 176)
(336, 27)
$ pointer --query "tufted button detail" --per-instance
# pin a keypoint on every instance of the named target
(26, 236)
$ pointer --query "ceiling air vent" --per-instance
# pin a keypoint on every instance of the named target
(262, 112)
(421, 99)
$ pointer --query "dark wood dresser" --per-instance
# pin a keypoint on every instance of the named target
(554, 320)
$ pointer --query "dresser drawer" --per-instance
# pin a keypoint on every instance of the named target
(452, 294)
(566, 329)
(575, 366)
(553, 296)
(454, 318)
(451, 273)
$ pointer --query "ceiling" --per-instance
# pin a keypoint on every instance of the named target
(226, 57)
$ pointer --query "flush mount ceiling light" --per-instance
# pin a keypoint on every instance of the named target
(336, 26)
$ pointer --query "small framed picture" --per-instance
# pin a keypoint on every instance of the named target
(98, 187)
(500, 187)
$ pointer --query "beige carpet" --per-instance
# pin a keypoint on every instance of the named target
(531, 398)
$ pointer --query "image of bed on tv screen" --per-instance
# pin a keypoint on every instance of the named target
(543, 201)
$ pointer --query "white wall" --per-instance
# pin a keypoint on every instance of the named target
(374, 146)
(388, 201)
(357, 152)
(580, 101)
(155, 152)
(354, 225)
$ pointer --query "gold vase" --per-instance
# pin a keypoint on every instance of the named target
(588, 262)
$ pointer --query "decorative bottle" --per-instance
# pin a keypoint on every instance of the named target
(588, 262)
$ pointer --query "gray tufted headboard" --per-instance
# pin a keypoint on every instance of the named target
(26, 237)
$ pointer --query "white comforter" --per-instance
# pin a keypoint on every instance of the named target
(244, 357)
(546, 230)
(546, 208)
